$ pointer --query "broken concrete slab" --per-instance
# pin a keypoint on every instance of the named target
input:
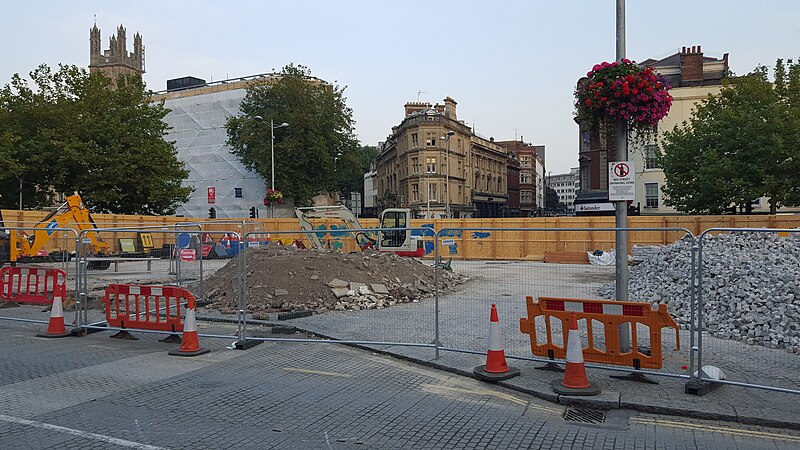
(356, 286)
(379, 288)
(340, 292)
(337, 283)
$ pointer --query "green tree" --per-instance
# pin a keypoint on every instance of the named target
(313, 150)
(352, 167)
(738, 146)
(551, 202)
(73, 131)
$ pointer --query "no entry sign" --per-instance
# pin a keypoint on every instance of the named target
(621, 181)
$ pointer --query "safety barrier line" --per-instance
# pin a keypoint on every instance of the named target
(32, 285)
(612, 314)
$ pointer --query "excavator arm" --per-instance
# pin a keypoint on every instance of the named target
(304, 215)
(73, 210)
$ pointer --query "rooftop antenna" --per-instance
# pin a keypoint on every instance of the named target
(420, 92)
(515, 133)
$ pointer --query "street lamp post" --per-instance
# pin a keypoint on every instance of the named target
(447, 174)
(272, 128)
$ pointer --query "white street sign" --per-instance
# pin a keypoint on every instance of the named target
(621, 181)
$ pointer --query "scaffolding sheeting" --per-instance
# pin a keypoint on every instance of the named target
(198, 128)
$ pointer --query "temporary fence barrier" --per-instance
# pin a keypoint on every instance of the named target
(748, 309)
(603, 321)
(32, 285)
(157, 308)
(451, 320)
(183, 265)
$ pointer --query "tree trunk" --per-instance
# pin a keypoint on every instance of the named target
(773, 206)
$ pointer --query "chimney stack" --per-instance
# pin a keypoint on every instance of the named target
(692, 64)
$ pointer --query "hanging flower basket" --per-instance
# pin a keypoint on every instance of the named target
(273, 197)
(623, 90)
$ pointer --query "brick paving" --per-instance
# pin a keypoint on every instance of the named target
(288, 396)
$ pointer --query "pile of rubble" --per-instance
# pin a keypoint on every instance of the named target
(285, 278)
(751, 286)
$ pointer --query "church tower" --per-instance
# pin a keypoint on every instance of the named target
(116, 60)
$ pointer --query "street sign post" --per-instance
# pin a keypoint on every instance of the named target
(621, 181)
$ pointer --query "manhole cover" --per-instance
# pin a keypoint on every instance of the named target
(584, 415)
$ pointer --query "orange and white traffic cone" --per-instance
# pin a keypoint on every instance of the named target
(575, 381)
(190, 346)
(495, 368)
(56, 327)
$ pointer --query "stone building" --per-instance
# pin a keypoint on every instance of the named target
(434, 163)
(116, 60)
(531, 160)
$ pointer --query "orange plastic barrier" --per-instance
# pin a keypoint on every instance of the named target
(146, 307)
(32, 285)
(611, 314)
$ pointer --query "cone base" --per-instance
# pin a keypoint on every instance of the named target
(194, 353)
(45, 334)
(481, 374)
(558, 388)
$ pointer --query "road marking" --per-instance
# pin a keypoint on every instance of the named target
(74, 432)
(717, 429)
(438, 389)
(317, 372)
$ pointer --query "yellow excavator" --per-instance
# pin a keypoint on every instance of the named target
(23, 245)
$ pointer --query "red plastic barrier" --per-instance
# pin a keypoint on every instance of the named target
(32, 285)
(146, 307)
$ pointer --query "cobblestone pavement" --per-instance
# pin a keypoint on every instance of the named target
(95, 392)
(464, 322)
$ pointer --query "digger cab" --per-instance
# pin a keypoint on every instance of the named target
(400, 240)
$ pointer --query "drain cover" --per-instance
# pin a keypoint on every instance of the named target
(584, 415)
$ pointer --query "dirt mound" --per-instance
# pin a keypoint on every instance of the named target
(284, 278)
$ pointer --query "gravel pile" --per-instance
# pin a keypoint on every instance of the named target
(751, 286)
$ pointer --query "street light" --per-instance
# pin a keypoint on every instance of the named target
(272, 128)
(447, 174)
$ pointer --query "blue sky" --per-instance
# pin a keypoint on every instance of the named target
(510, 65)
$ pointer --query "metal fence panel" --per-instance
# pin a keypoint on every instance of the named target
(558, 268)
(749, 307)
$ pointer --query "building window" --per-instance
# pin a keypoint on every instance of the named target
(584, 178)
(651, 195)
(414, 140)
(415, 192)
(414, 166)
(237, 193)
(526, 196)
(431, 164)
(651, 157)
(430, 140)
(432, 189)
(525, 177)
(525, 161)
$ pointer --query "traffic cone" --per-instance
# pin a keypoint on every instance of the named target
(190, 346)
(495, 368)
(56, 327)
(574, 381)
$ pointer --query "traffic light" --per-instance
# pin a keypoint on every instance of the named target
(253, 212)
(212, 213)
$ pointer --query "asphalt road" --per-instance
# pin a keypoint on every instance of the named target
(96, 392)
